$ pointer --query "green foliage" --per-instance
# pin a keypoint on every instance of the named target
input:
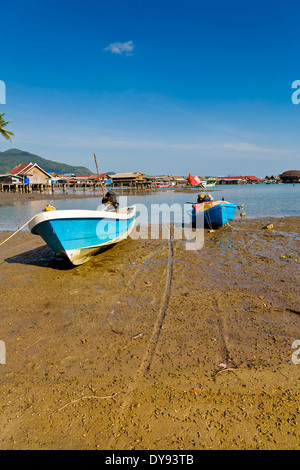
(12, 158)
(4, 132)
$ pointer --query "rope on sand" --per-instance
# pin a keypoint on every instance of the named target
(84, 398)
(2, 243)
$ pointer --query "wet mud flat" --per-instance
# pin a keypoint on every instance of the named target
(78, 193)
(152, 346)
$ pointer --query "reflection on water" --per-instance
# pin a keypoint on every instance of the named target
(260, 200)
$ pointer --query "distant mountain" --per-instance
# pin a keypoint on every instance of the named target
(12, 158)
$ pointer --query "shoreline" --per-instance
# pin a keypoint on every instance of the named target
(23, 198)
(7, 198)
(149, 346)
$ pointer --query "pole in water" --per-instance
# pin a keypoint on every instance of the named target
(102, 185)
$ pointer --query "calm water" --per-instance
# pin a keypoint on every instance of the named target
(262, 200)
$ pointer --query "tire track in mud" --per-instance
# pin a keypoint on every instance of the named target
(130, 283)
(227, 361)
(163, 309)
(221, 317)
(153, 341)
(146, 262)
(154, 338)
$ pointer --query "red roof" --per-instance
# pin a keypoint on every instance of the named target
(21, 169)
(251, 178)
(24, 168)
(231, 177)
(92, 176)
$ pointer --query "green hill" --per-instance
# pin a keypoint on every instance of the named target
(12, 158)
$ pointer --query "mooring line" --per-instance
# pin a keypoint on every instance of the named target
(17, 231)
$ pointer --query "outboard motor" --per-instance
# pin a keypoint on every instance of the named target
(110, 198)
(201, 198)
(204, 198)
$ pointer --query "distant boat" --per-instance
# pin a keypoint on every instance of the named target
(163, 186)
(196, 182)
(215, 213)
(78, 234)
(208, 185)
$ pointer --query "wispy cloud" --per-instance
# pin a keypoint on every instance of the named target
(125, 48)
(92, 140)
(246, 147)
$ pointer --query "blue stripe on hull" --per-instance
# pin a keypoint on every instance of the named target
(71, 234)
(215, 216)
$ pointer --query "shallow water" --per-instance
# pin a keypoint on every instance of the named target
(259, 200)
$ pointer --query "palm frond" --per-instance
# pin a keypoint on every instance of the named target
(4, 132)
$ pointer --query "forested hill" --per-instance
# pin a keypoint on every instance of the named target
(12, 158)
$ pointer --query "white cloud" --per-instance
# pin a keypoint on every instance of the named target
(121, 47)
(246, 147)
(92, 140)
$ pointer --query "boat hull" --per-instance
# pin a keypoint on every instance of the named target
(78, 235)
(207, 185)
(215, 214)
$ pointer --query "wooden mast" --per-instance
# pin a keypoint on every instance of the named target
(102, 185)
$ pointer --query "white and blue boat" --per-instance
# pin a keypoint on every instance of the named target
(215, 213)
(79, 234)
(208, 184)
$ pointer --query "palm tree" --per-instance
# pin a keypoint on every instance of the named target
(4, 132)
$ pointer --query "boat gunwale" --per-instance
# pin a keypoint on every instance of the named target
(215, 205)
(81, 214)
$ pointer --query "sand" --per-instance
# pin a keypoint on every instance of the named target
(149, 346)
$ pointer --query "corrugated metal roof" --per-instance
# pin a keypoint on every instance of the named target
(126, 175)
(20, 169)
(9, 174)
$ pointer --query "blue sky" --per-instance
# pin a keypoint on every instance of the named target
(156, 86)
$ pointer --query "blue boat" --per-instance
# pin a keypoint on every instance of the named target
(79, 234)
(215, 213)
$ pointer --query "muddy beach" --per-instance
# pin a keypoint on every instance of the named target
(19, 198)
(151, 346)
